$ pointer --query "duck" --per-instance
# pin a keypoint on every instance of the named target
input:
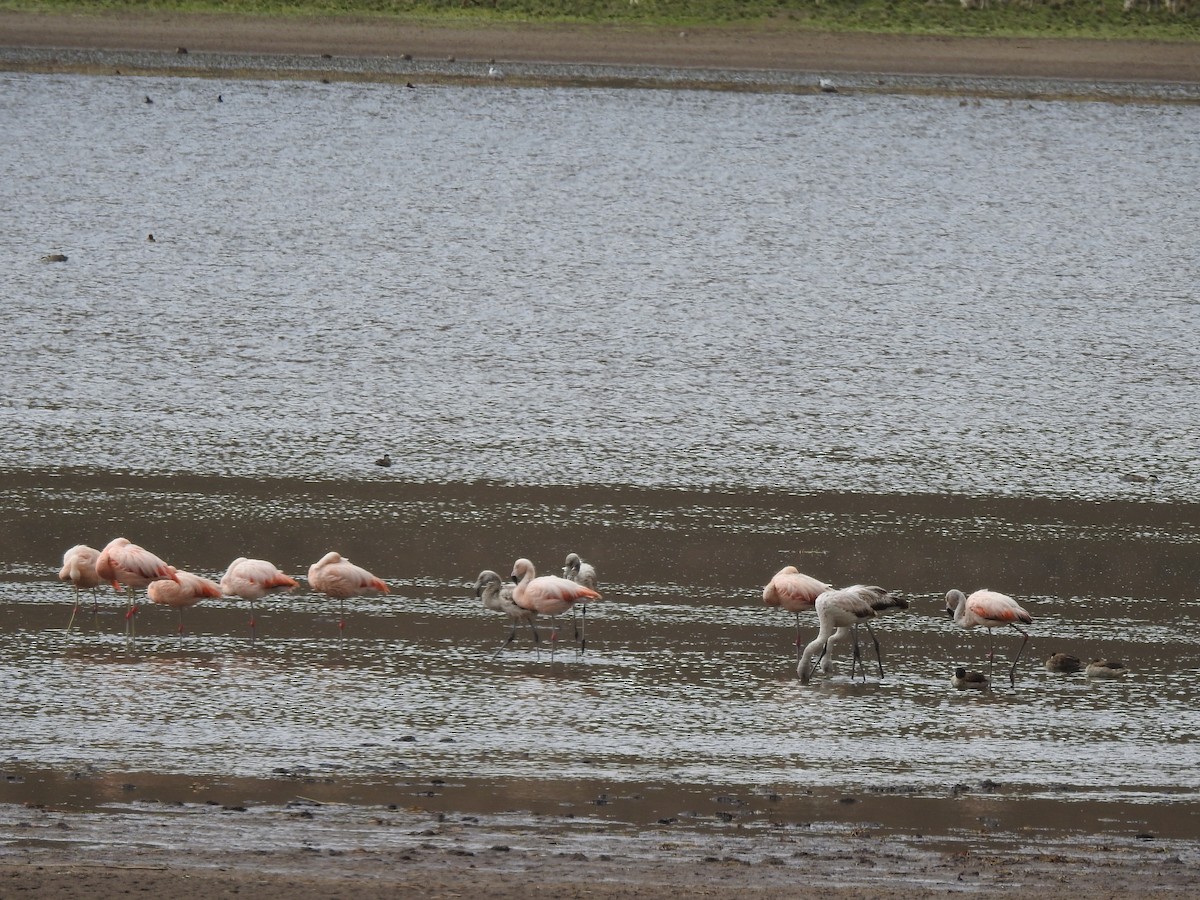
(385, 460)
(1063, 662)
(1103, 668)
(964, 680)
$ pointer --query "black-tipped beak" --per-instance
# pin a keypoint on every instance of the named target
(949, 612)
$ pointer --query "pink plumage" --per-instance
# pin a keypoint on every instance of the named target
(341, 579)
(79, 567)
(547, 595)
(186, 590)
(253, 579)
(792, 590)
(125, 563)
(992, 609)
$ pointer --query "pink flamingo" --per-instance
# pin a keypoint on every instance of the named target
(253, 579)
(990, 609)
(578, 571)
(184, 592)
(79, 568)
(339, 578)
(498, 596)
(836, 610)
(795, 592)
(125, 563)
(548, 595)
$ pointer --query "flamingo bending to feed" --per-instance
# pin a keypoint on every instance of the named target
(882, 601)
(79, 568)
(124, 563)
(337, 577)
(498, 597)
(547, 595)
(990, 609)
(836, 610)
(184, 592)
(578, 571)
(253, 579)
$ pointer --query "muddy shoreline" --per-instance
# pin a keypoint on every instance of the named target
(554, 54)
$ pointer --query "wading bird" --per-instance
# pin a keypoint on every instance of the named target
(990, 610)
(253, 579)
(548, 595)
(836, 610)
(498, 597)
(795, 592)
(183, 593)
(339, 578)
(79, 568)
(578, 571)
(125, 563)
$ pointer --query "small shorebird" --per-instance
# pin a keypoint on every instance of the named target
(1103, 668)
(964, 680)
(1063, 662)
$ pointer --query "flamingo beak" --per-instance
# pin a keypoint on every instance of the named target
(949, 612)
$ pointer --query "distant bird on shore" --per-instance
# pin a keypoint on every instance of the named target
(826, 85)
(498, 597)
(1136, 478)
(990, 610)
(79, 568)
(253, 579)
(54, 257)
(964, 680)
(547, 595)
(835, 610)
(578, 571)
(495, 73)
(385, 460)
(1064, 663)
(123, 563)
(339, 578)
(183, 593)
(1103, 668)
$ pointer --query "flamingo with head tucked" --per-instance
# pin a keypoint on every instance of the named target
(253, 579)
(183, 593)
(124, 563)
(547, 595)
(79, 568)
(990, 610)
(339, 578)
(791, 590)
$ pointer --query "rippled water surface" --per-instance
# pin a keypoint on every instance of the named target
(694, 336)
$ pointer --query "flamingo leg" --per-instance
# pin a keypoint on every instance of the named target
(878, 655)
(1012, 673)
(857, 659)
(582, 633)
(71, 621)
(130, 627)
(798, 650)
(253, 622)
(181, 624)
(511, 637)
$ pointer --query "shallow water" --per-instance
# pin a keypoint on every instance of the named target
(693, 336)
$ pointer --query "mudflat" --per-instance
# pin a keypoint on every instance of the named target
(708, 47)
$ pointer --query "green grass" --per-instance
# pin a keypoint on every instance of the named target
(1044, 18)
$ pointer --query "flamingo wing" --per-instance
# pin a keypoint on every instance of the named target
(992, 606)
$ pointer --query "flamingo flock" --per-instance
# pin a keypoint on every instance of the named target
(525, 596)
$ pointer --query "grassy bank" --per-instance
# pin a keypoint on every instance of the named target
(1148, 20)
